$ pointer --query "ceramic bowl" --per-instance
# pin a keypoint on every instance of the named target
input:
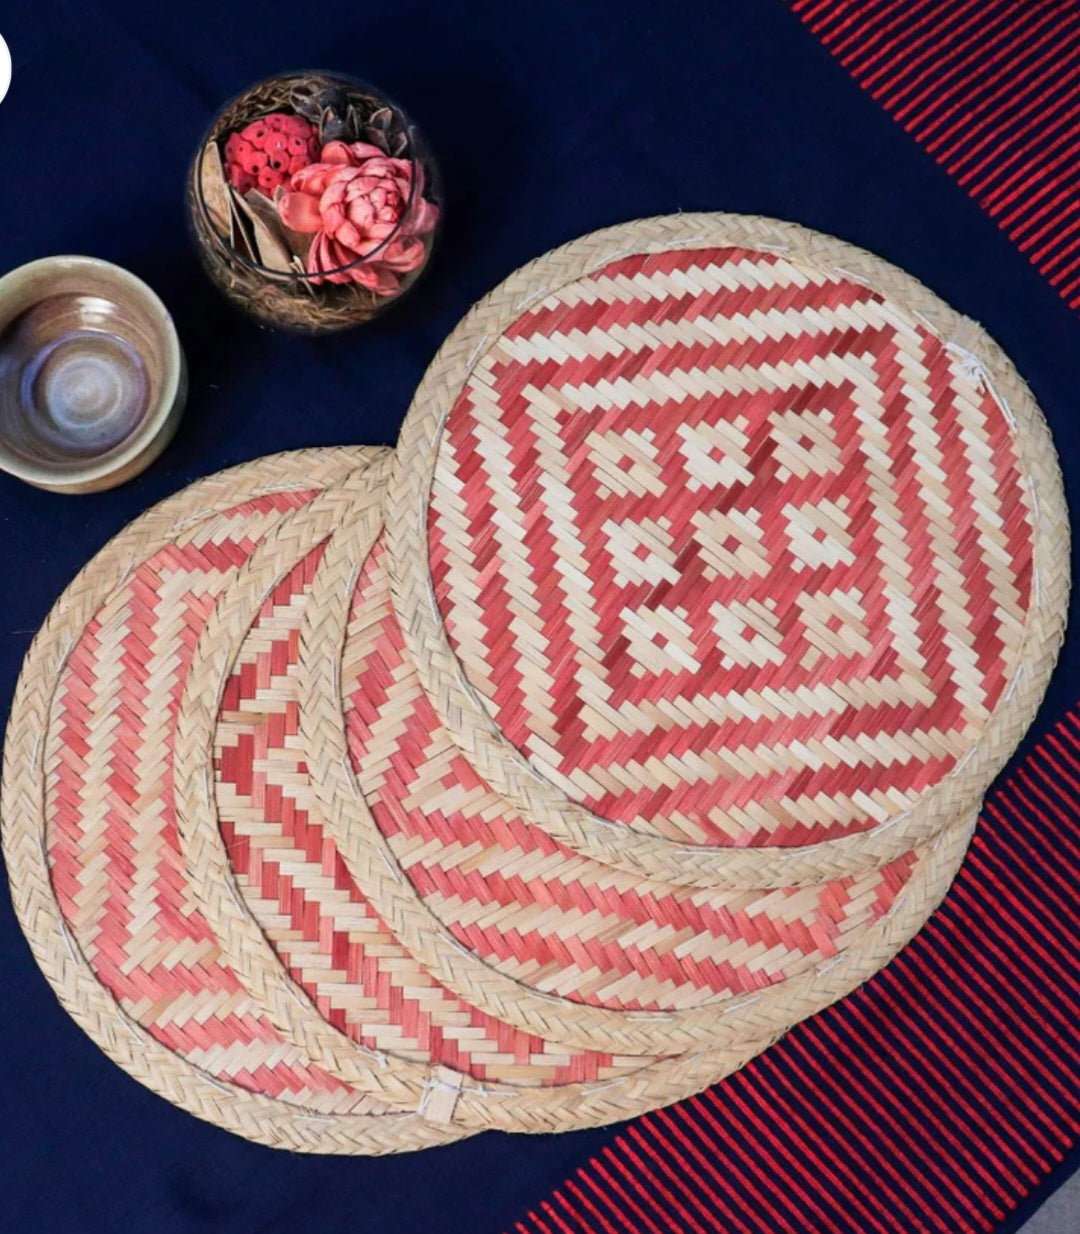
(92, 379)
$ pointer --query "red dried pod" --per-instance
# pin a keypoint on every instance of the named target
(269, 150)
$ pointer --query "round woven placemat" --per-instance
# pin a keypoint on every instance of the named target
(531, 932)
(298, 929)
(727, 552)
(90, 844)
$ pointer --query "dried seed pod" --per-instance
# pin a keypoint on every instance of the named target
(333, 128)
(302, 99)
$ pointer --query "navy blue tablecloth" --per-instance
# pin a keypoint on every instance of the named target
(550, 120)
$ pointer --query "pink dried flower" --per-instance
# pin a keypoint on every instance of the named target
(354, 200)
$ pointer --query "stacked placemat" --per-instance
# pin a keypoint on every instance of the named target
(547, 769)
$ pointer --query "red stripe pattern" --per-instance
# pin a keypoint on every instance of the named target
(934, 1099)
(295, 881)
(989, 88)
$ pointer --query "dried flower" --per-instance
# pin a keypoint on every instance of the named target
(356, 202)
(268, 151)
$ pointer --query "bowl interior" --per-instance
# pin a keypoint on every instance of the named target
(87, 358)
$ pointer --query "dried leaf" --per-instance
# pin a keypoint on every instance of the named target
(298, 241)
(215, 188)
(269, 244)
(239, 230)
(261, 205)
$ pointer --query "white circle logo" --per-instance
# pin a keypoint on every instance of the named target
(5, 68)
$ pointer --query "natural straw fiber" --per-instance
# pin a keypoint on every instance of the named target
(89, 841)
(386, 1021)
(529, 931)
(727, 553)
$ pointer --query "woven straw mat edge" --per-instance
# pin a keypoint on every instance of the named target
(462, 1099)
(437, 1092)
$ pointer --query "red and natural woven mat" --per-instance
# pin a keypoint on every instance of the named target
(727, 553)
(89, 832)
(329, 968)
(308, 944)
(536, 934)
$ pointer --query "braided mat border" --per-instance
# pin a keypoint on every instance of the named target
(442, 1094)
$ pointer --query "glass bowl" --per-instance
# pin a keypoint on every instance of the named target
(314, 201)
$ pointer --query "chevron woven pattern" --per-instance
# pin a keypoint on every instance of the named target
(90, 833)
(109, 810)
(298, 887)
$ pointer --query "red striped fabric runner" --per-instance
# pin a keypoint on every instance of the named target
(934, 1099)
(991, 89)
